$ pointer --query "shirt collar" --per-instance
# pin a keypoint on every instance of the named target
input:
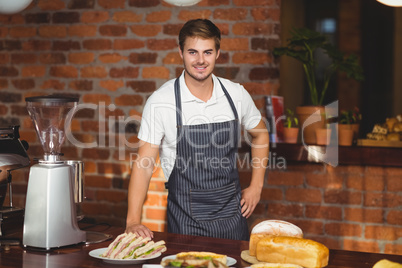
(186, 95)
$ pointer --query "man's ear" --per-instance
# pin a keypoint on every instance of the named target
(181, 53)
(217, 54)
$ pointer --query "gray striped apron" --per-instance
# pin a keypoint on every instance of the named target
(204, 187)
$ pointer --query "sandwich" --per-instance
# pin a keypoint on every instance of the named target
(194, 259)
(131, 246)
(195, 255)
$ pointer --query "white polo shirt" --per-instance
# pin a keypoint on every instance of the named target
(158, 123)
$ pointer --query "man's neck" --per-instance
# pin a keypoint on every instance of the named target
(200, 89)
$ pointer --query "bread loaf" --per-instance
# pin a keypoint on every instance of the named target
(294, 250)
(275, 265)
(387, 264)
(272, 228)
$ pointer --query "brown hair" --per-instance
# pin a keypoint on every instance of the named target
(202, 28)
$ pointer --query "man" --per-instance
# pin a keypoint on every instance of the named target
(194, 121)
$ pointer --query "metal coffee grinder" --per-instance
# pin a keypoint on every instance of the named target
(50, 212)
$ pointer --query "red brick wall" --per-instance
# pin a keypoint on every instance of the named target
(346, 207)
(114, 54)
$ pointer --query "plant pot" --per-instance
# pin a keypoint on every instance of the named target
(290, 134)
(309, 122)
(345, 135)
(355, 128)
(323, 136)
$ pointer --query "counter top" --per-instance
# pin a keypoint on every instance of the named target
(78, 255)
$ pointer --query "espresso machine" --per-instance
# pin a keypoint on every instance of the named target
(50, 211)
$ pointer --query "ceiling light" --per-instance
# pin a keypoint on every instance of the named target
(182, 2)
(392, 3)
(13, 6)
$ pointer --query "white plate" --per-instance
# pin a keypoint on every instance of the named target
(96, 253)
(229, 261)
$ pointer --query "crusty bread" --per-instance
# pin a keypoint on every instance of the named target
(275, 265)
(272, 228)
(202, 255)
(387, 264)
(300, 251)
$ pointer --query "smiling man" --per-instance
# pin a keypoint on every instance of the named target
(194, 123)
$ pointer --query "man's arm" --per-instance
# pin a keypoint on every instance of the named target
(138, 187)
(259, 161)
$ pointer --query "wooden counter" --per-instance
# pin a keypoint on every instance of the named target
(77, 256)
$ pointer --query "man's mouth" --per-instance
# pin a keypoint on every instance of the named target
(201, 68)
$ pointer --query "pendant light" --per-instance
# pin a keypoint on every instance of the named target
(392, 3)
(182, 2)
(13, 6)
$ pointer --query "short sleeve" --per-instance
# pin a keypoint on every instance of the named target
(251, 116)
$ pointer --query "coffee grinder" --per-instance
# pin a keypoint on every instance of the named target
(50, 212)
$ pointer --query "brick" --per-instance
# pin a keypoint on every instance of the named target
(3, 83)
(187, 14)
(129, 100)
(111, 85)
(27, 58)
(111, 58)
(323, 212)
(146, 30)
(140, 3)
(94, 16)
(393, 248)
(93, 72)
(355, 182)
(143, 58)
(329, 181)
(394, 217)
(97, 44)
(285, 178)
(334, 196)
(393, 184)
(172, 58)
(343, 229)
(304, 195)
(260, 14)
(269, 44)
(231, 14)
(8, 71)
(53, 84)
(33, 71)
(66, 45)
(19, 110)
(66, 17)
(159, 16)
(161, 44)
(210, 3)
(37, 18)
(142, 86)
(52, 58)
(391, 171)
(81, 57)
(23, 84)
(364, 215)
(172, 29)
(96, 153)
(36, 45)
(153, 199)
(82, 30)
(3, 110)
(110, 4)
(81, 85)
(111, 168)
(155, 213)
(12, 19)
(111, 196)
(382, 199)
(10, 45)
(130, 72)
(362, 246)
(52, 31)
(155, 72)
(251, 58)
(113, 30)
(81, 4)
(21, 32)
(125, 44)
(254, 2)
(255, 28)
(374, 183)
(234, 44)
(51, 4)
(263, 73)
(285, 210)
(261, 89)
(271, 194)
(3, 32)
(97, 98)
(382, 232)
(127, 16)
(64, 71)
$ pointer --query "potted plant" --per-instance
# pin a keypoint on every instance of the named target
(302, 46)
(291, 129)
(348, 126)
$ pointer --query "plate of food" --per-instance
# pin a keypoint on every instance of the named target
(200, 256)
(129, 249)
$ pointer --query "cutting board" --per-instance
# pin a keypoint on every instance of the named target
(374, 143)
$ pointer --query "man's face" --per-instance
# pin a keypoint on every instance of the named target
(199, 57)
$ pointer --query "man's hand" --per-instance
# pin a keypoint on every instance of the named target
(140, 230)
(250, 198)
